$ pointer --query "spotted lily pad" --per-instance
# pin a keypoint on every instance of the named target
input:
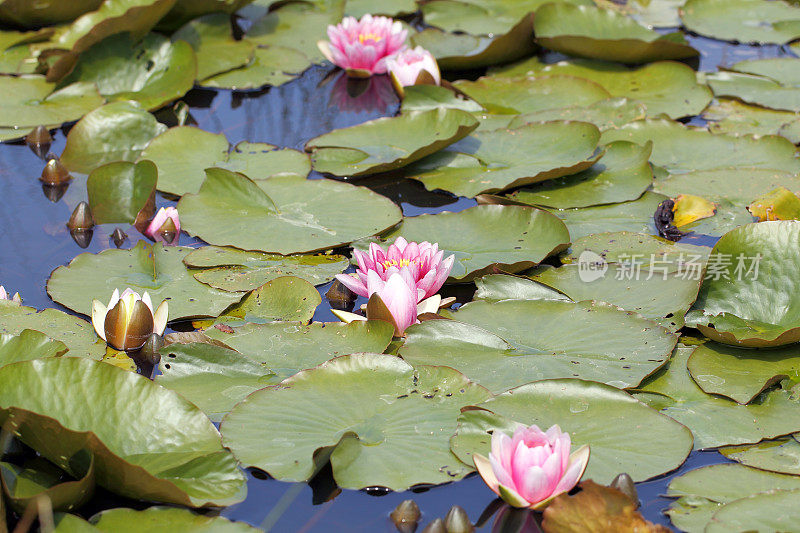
(119, 191)
(732, 116)
(396, 442)
(231, 269)
(614, 247)
(486, 238)
(283, 298)
(114, 132)
(170, 453)
(588, 31)
(745, 302)
(183, 153)
(780, 455)
(31, 101)
(403, 139)
(284, 214)
(154, 268)
(29, 344)
(212, 39)
(650, 444)
(635, 216)
(746, 21)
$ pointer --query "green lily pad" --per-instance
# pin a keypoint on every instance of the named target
(23, 485)
(154, 268)
(704, 491)
(732, 116)
(650, 444)
(295, 25)
(493, 161)
(271, 65)
(185, 10)
(664, 87)
(114, 132)
(481, 17)
(717, 421)
(426, 97)
(516, 341)
(231, 269)
(680, 148)
(284, 298)
(759, 90)
(588, 31)
(119, 191)
(745, 302)
(741, 375)
(487, 238)
(400, 441)
(24, 13)
(526, 95)
(183, 153)
(211, 37)
(18, 60)
(29, 344)
(635, 216)
(622, 174)
(772, 510)
(497, 287)
(165, 520)
(605, 114)
(781, 69)
(780, 455)
(170, 452)
(459, 51)
(359, 8)
(404, 139)
(30, 101)
(153, 71)
(78, 335)
(745, 21)
(615, 247)
(284, 214)
(653, 13)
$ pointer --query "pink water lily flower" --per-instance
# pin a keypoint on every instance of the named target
(421, 264)
(361, 47)
(160, 225)
(393, 300)
(6, 296)
(405, 67)
(532, 467)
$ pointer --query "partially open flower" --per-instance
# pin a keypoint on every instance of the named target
(532, 467)
(165, 226)
(361, 47)
(4, 295)
(129, 319)
(394, 301)
(412, 67)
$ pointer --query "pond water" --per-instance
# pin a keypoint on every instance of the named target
(34, 241)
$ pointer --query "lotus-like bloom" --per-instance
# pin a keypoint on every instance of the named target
(129, 319)
(361, 47)
(394, 301)
(6, 296)
(405, 67)
(420, 264)
(532, 467)
(165, 221)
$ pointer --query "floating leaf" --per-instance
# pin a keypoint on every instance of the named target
(163, 520)
(717, 421)
(399, 441)
(605, 114)
(153, 71)
(649, 445)
(622, 174)
(78, 335)
(185, 10)
(507, 343)
(23, 485)
(588, 31)
(170, 451)
(29, 344)
(773, 510)
(284, 214)
(25, 14)
(759, 90)
(732, 116)
(295, 25)
(152, 268)
(231, 269)
(211, 37)
(284, 298)
(780, 455)
(114, 132)
(119, 191)
(404, 139)
(635, 216)
(624, 246)
(487, 238)
(653, 13)
(689, 208)
(183, 153)
(30, 101)
(425, 97)
(778, 204)
(359, 8)
(745, 21)
(664, 87)
(272, 65)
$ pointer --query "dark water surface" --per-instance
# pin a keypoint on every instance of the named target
(34, 241)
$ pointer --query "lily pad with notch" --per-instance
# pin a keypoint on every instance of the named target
(122, 192)
(211, 37)
(29, 344)
(744, 21)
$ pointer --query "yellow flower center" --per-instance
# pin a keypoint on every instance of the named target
(399, 264)
(369, 37)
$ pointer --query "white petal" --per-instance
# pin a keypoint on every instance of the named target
(99, 312)
(159, 317)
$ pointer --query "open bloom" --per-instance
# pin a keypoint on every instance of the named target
(532, 467)
(420, 264)
(166, 221)
(405, 67)
(6, 296)
(394, 301)
(361, 47)
(129, 319)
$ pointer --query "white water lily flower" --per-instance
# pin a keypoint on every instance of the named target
(128, 320)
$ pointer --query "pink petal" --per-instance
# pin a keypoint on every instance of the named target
(353, 283)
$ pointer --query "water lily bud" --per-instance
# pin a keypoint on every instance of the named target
(129, 320)
(457, 521)
(165, 226)
(54, 173)
(340, 297)
(39, 140)
(168, 231)
(4, 295)
(148, 353)
(405, 516)
(118, 237)
(54, 193)
(437, 526)
(81, 218)
(624, 483)
(82, 237)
